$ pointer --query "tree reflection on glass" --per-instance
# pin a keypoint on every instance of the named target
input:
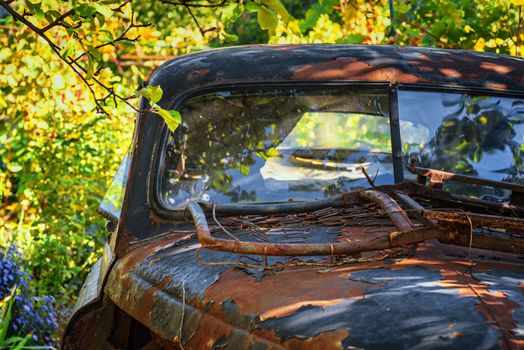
(473, 135)
(276, 146)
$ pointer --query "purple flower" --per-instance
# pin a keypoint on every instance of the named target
(30, 313)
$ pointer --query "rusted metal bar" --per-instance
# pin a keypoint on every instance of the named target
(432, 193)
(336, 201)
(437, 176)
(477, 220)
(415, 208)
(379, 242)
(394, 211)
(484, 203)
(506, 244)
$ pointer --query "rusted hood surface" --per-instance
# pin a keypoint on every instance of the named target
(425, 298)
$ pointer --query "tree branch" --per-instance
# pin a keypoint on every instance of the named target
(73, 63)
(195, 3)
(202, 30)
(58, 20)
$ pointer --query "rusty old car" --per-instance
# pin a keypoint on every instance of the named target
(317, 197)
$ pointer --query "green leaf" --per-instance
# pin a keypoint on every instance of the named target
(152, 92)
(273, 152)
(108, 33)
(103, 10)
(252, 6)
(90, 68)
(94, 53)
(277, 6)
(85, 11)
(101, 19)
(231, 13)
(230, 37)
(268, 19)
(70, 47)
(244, 169)
(172, 118)
(39, 13)
(352, 39)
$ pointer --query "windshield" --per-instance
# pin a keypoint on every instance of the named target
(480, 136)
(276, 146)
(270, 146)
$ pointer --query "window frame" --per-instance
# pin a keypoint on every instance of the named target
(391, 89)
(268, 86)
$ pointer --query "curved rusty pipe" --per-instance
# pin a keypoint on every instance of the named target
(336, 201)
(385, 241)
(390, 206)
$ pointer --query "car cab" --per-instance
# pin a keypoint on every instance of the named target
(317, 197)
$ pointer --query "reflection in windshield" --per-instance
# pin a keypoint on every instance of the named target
(480, 136)
(277, 146)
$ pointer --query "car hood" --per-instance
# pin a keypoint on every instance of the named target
(427, 296)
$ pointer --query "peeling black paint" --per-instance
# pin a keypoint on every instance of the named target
(235, 317)
(410, 311)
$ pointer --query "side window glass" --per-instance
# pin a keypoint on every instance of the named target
(111, 205)
(480, 136)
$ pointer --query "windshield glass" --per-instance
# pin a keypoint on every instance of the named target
(276, 146)
(479, 136)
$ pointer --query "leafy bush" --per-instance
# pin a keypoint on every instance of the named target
(28, 313)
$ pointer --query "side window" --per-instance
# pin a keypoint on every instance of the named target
(480, 136)
(111, 205)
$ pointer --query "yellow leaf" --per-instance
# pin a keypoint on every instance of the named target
(152, 92)
(267, 19)
(277, 6)
(58, 81)
(171, 118)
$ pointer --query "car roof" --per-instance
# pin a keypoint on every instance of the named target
(402, 65)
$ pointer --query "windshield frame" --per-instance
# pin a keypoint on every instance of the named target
(390, 89)
(155, 185)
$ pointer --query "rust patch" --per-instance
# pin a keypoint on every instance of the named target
(350, 68)
(208, 333)
(278, 295)
(331, 340)
(496, 68)
(216, 334)
(140, 253)
(466, 67)
(197, 74)
(495, 306)
(144, 305)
